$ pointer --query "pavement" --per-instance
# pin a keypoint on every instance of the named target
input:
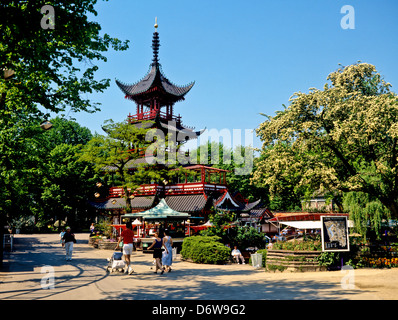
(37, 270)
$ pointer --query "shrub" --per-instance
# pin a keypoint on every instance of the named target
(296, 245)
(249, 237)
(205, 249)
(328, 259)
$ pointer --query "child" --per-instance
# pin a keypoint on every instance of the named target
(61, 235)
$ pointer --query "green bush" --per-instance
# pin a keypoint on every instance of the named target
(205, 249)
(297, 245)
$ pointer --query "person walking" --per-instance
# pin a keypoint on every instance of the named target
(61, 235)
(127, 236)
(69, 239)
(157, 251)
(167, 257)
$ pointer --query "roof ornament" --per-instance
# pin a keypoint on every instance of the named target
(155, 44)
(156, 24)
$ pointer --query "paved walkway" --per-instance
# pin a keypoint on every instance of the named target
(85, 277)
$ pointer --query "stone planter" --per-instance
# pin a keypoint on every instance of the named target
(107, 245)
(93, 242)
(286, 260)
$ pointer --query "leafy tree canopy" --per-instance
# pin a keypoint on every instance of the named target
(51, 67)
(127, 152)
(342, 138)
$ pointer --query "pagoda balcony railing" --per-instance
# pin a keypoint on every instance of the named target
(151, 115)
(192, 188)
(147, 190)
(174, 189)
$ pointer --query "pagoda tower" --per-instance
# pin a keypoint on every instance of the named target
(202, 188)
(155, 96)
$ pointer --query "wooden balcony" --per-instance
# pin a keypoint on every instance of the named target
(145, 190)
(151, 115)
(179, 188)
(192, 188)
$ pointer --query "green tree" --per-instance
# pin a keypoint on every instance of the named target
(51, 182)
(127, 152)
(342, 138)
(52, 67)
(366, 212)
(42, 71)
(239, 162)
(117, 153)
(66, 184)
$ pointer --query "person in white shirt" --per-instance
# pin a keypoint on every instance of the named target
(237, 255)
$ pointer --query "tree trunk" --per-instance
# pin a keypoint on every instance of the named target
(393, 207)
(127, 200)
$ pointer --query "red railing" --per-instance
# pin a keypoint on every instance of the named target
(147, 190)
(151, 115)
(192, 188)
(179, 188)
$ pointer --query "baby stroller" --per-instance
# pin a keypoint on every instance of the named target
(115, 262)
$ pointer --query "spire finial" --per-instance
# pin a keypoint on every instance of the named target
(156, 24)
(155, 43)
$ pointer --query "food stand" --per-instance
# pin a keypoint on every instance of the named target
(156, 219)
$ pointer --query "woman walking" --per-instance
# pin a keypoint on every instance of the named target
(167, 258)
(157, 251)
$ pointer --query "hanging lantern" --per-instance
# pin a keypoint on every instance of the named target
(96, 194)
(46, 125)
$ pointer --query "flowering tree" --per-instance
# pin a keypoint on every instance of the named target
(343, 138)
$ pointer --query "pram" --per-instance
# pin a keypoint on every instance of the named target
(115, 262)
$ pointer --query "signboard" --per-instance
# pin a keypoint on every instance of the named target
(334, 232)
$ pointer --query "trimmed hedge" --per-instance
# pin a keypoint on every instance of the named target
(205, 249)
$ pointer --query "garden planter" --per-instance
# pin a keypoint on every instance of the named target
(107, 245)
(286, 260)
(92, 241)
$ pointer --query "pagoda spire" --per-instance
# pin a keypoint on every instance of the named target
(155, 44)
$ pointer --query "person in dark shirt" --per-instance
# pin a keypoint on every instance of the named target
(157, 251)
(69, 239)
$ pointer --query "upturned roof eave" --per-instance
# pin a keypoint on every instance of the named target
(154, 76)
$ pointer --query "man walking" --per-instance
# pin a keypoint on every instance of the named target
(69, 239)
(127, 237)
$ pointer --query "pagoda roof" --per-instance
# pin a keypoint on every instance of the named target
(183, 133)
(187, 203)
(155, 80)
(141, 202)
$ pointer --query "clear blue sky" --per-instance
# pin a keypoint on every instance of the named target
(246, 57)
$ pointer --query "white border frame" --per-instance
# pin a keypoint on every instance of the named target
(323, 235)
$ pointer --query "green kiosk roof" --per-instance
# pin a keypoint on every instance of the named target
(161, 211)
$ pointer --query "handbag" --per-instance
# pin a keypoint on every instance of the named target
(121, 244)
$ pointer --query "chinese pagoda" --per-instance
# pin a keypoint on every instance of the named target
(155, 96)
(203, 187)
